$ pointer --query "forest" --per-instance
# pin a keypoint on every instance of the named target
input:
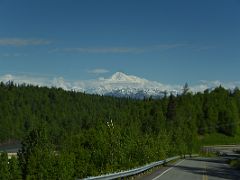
(68, 134)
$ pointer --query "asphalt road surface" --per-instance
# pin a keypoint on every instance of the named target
(195, 169)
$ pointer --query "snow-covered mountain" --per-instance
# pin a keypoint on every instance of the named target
(119, 84)
(123, 85)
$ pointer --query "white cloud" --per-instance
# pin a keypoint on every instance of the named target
(61, 83)
(15, 55)
(205, 48)
(206, 84)
(20, 79)
(101, 85)
(105, 50)
(98, 71)
(23, 42)
(170, 46)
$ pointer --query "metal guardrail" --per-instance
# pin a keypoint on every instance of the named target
(132, 172)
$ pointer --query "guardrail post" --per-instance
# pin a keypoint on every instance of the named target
(164, 162)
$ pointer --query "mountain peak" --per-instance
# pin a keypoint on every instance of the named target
(119, 76)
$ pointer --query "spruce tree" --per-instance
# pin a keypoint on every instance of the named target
(4, 168)
(14, 169)
(36, 156)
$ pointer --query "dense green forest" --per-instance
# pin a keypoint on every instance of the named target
(67, 134)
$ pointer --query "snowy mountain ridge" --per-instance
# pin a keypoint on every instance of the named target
(123, 85)
(119, 84)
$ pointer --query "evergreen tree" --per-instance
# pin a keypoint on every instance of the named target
(171, 109)
(76, 141)
(64, 166)
(14, 169)
(228, 119)
(185, 89)
(36, 156)
(4, 168)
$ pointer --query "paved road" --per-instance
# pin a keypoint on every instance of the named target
(195, 169)
(10, 148)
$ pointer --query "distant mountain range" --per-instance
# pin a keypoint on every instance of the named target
(119, 85)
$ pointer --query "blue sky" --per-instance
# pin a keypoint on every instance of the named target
(169, 41)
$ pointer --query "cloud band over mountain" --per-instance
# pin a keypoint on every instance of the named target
(119, 83)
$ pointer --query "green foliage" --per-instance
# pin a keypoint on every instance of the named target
(218, 139)
(4, 168)
(14, 169)
(64, 166)
(36, 156)
(68, 134)
(235, 163)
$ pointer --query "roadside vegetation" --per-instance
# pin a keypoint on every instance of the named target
(67, 134)
(219, 139)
